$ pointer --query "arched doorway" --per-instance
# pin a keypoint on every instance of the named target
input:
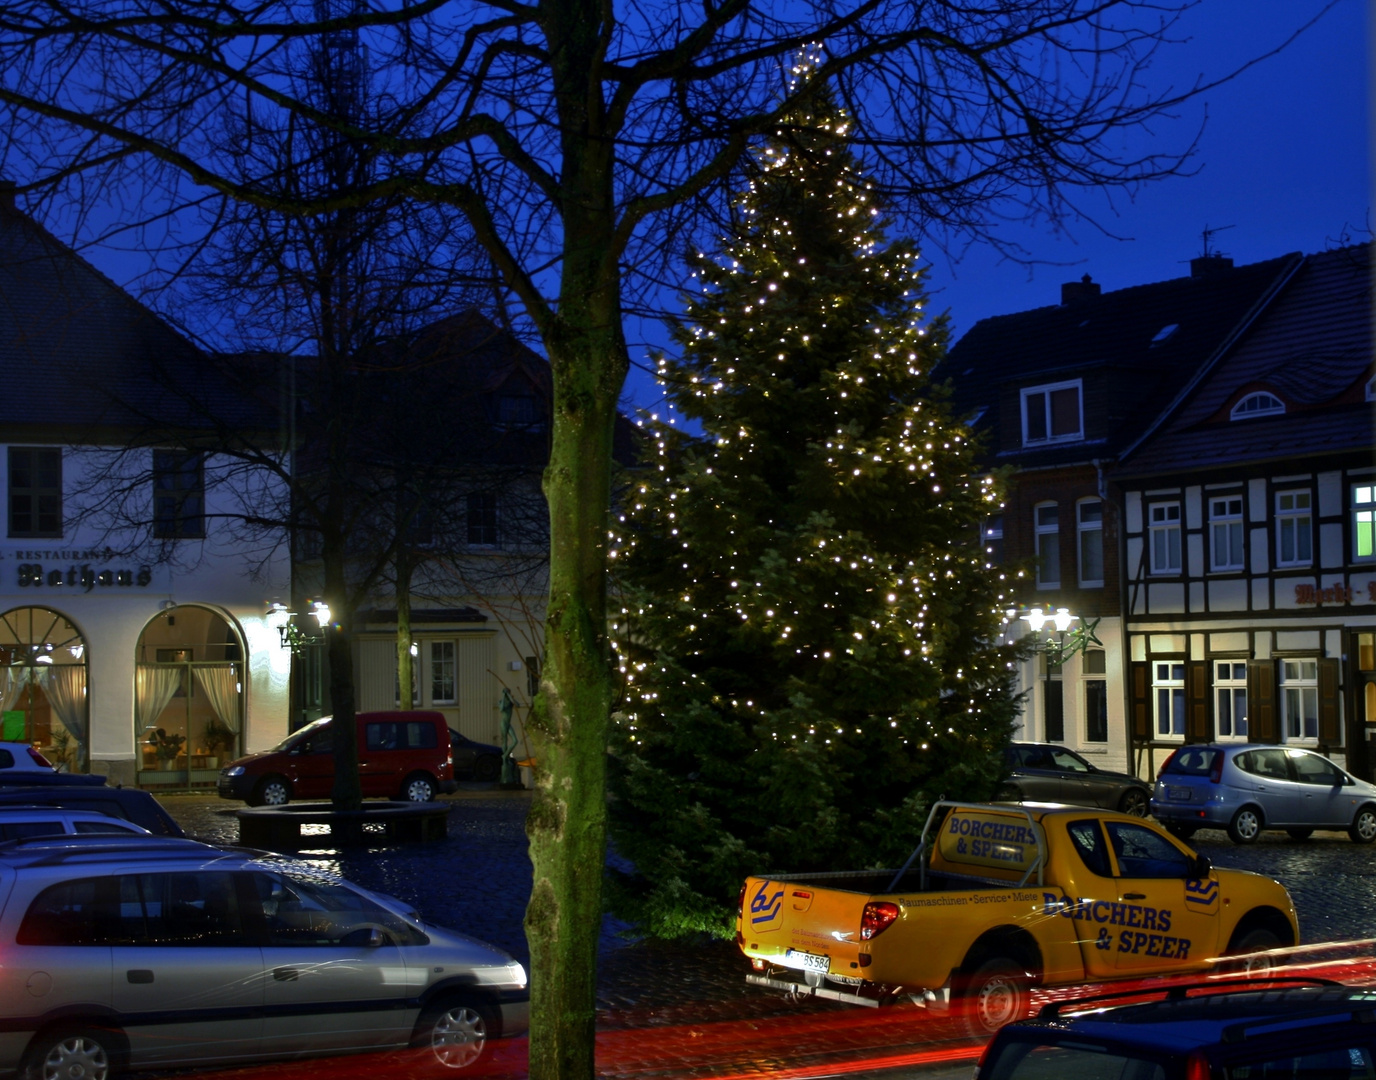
(43, 691)
(189, 696)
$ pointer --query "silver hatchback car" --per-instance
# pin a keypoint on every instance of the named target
(1246, 788)
(148, 952)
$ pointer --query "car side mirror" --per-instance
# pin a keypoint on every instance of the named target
(1198, 867)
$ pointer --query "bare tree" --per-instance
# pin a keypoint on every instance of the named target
(585, 142)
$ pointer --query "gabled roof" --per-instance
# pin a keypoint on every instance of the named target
(79, 353)
(1312, 349)
(1128, 331)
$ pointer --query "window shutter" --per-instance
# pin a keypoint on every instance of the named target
(1330, 733)
(1261, 702)
(1141, 701)
(1197, 701)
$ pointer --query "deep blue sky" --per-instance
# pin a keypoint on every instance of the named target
(1284, 159)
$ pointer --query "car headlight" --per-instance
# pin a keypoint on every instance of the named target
(233, 770)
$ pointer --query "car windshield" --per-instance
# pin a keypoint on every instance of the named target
(1084, 1060)
(296, 738)
(1191, 761)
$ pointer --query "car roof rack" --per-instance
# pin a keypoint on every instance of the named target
(1236, 1033)
(60, 847)
(1180, 992)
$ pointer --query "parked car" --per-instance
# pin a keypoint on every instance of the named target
(129, 804)
(1273, 1030)
(404, 755)
(1246, 789)
(20, 763)
(224, 958)
(21, 822)
(475, 760)
(1045, 772)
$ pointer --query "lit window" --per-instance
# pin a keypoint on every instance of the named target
(1230, 688)
(1294, 543)
(1259, 404)
(1052, 413)
(1299, 699)
(1225, 530)
(1165, 538)
(1048, 546)
(1168, 680)
(1090, 523)
(1364, 521)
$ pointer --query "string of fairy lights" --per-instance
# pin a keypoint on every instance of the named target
(771, 326)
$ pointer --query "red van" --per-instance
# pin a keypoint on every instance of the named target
(401, 755)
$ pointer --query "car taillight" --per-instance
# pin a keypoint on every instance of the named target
(40, 759)
(1216, 770)
(1196, 1067)
(877, 917)
(1165, 765)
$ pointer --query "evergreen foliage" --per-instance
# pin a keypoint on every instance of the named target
(809, 628)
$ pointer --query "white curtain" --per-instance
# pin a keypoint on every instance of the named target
(154, 687)
(221, 685)
(66, 690)
(15, 678)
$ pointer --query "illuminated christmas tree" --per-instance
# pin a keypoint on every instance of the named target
(809, 624)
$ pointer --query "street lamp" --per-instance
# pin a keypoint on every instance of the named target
(292, 637)
(1066, 643)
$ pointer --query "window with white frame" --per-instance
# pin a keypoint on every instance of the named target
(1299, 700)
(1230, 699)
(1364, 521)
(1259, 404)
(1090, 527)
(482, 519)
(1294, 528)
(1048, 537)
(1094, 666)
(1164, 530)
(1168, 683)
(991, 535)
(1052, 413)
(1225, 532)
(442, 670)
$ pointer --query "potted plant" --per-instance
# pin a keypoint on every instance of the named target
(217, 739)
(166, 746)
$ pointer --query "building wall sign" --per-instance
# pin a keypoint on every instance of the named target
(1334, 594)
(85, 570)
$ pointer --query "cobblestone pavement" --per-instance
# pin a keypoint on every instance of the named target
(683, 1009)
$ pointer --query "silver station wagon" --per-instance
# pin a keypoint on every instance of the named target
(147, 952)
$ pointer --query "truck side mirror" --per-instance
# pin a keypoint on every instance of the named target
(1199, 867)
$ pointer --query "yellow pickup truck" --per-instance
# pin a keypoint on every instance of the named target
(998, 898)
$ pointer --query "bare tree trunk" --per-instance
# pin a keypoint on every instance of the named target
(347, 793)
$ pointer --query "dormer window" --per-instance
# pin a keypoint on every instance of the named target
(1259, 404)
(1052, 413)
(517, 410)
(1164, 333)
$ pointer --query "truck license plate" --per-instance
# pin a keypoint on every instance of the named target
(1178, 794)
(809, 961)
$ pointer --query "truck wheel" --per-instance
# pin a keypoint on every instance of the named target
(995, 993)
(1245, 826)
(1257, 941)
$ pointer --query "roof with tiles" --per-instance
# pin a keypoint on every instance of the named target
(79, 353)
(1312, 350)
(1153, 338)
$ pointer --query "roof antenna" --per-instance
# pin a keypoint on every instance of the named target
(1208, 235)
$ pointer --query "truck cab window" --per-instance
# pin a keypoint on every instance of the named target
(1089, 845)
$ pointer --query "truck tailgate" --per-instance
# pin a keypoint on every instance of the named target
(798, 925)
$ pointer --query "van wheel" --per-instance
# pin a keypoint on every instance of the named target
(996, 993)
(1363, 827)
(458, 1032)
(271, 791)
(70, 1053)
(418, 788)
(1245, 826)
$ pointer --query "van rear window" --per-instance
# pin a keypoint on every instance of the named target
(1192, 761)
(402, 735)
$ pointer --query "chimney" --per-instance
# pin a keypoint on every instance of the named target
(1208, 265)
(1072, 292)
(7, 188)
